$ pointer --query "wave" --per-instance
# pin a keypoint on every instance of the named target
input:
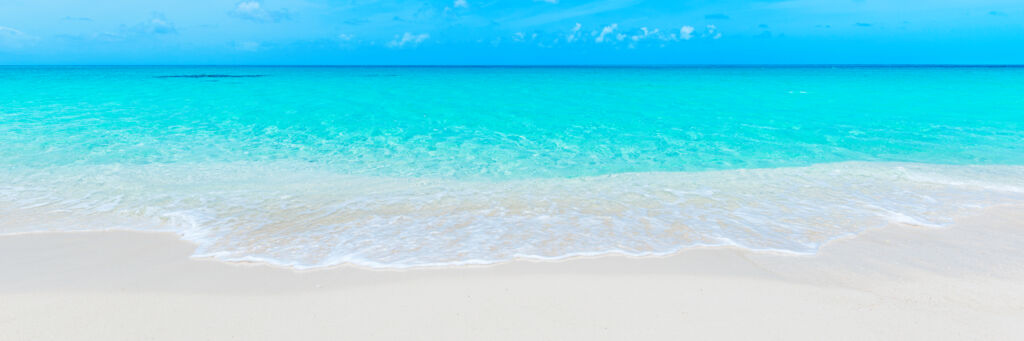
(299, 215)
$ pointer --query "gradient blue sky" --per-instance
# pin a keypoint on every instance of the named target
(510, 31)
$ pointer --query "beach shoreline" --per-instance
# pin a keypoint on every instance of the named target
(897, 282)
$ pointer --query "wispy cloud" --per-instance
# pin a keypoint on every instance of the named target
(13, 38)
(7, 31)
(408, 39)
(161, 26)
(460, 3)
(606, 31)
(522, 37)
(575, 33)
(156, 25)
(570, 13)
(645, 33)
(711, 31)
(253, 10)
(248, 46)
(617, 34)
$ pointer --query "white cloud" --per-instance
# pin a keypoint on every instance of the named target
(248, 7)
(461, 3)
(408, 38)
(686, 33)
(635, 37)
(548, 1)
(254, 11)
(575, 33)
(606, 31)
(712, 32)
(646, 33)
(344, 37)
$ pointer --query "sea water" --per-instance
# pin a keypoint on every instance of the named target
(425, 166)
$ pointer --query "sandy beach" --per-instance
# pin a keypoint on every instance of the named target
(511, 170)
(899, 282)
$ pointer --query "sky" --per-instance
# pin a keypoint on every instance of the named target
(511, 32)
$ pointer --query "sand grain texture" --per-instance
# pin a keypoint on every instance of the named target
(896, 283)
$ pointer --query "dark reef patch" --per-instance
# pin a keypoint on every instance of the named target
(211, 76)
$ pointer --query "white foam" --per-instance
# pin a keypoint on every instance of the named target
(294, 214)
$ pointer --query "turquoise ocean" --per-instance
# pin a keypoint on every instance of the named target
(394, 167)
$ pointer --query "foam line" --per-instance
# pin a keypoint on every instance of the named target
(297, 215)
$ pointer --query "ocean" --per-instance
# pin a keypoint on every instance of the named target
(397, 167)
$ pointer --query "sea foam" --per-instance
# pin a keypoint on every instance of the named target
(298, 215)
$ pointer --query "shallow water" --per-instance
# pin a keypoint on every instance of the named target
(399, 167)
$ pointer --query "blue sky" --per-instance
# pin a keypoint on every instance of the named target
(510, 31)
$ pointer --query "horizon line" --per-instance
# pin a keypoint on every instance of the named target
(535, 65)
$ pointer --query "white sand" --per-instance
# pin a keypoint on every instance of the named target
(897, 283)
